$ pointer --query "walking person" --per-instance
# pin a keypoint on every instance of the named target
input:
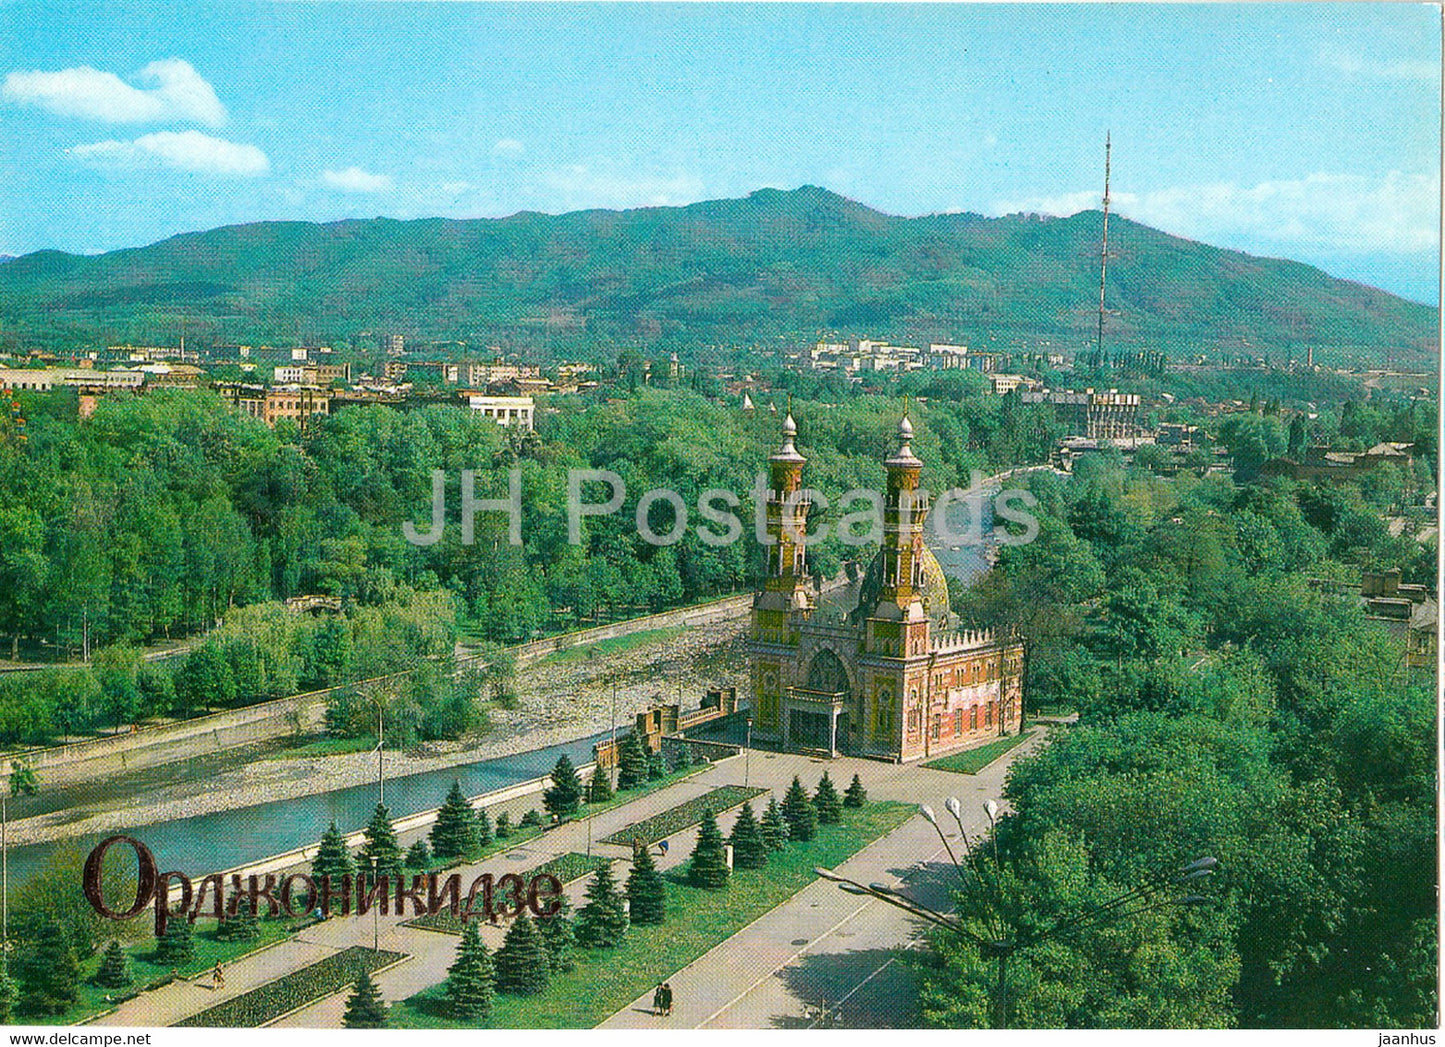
(218, 980)
(657, 999)
(666, 1000)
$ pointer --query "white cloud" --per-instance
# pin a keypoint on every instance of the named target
(184, 150)
(508, 147)
(582, 186)
(355, 180)
(178, 92)
(1355, 65)
(1396, 213)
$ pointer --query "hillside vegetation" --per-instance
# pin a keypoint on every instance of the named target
(773, 269)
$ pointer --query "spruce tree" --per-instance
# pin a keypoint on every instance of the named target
(454, 834)
(773, 826)
(521, 962)
(559, 938)
(825, 801)
(48, 972)
(9, 993)
(750, 850)
(564, 797)
(470, 979)
(380, 853)
(631, 763)
(365, 1009)
(176, 946)
(418, 856)
(243, 926)
(114, 970)
(532, 819)
(856, 796)
(599, 790)
(656, 767)
(504, 825)
(483, 827)
(602, 921)
(332, 858)
(709, 865)
(799, 813)
(646, 892)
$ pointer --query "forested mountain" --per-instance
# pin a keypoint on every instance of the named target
(773, 269)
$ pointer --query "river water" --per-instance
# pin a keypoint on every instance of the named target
(224, 839)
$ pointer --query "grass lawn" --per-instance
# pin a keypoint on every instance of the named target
(324, 746)
(566, 867)
(145, 973)
(614, 645)
(971, 761)
(607, 980)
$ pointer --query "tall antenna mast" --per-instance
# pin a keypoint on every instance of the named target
(1104, 251)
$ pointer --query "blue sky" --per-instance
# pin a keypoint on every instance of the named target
(1308, 131)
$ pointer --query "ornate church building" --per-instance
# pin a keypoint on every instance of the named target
(891, 678)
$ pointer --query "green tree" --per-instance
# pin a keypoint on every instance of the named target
(332, 857)
(177, 945)
(602, 920)
(631, 763)
(483, 828)
(564, 798)
(243, 925)
(708, 866)
(454, 833)
(532, 819)
(521, 962)
(656, 767)
(418, 856)
(559, 937)
(114, 970)
(750, 850)
(646, 890)
(365, 1009)
(825, 801)
(48, 972)
(205, 680)
(9, 993)
(599, 790)
(470, 979)
(856, 796)
(799, 812)
(380, 854)
(774, 826)
(504, 825)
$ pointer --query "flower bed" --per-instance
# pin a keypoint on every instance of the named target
(683, 816)
(566, 867)
(268, 1002)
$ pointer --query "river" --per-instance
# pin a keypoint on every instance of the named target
(225, 839)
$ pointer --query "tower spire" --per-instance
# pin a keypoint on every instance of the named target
(1104, 251)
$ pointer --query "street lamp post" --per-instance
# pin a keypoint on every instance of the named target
(1002, 940)
(380, 742)
(748, 755)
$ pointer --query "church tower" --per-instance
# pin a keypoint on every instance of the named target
(784, 602)
(898, 624)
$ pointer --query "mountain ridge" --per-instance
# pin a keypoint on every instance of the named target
(773, 267)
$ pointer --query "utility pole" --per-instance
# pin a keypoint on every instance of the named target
(1104, 251)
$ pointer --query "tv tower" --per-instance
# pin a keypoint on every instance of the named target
(1104, 252)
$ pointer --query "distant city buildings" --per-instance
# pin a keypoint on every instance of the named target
(518, 411)
(1095, 415)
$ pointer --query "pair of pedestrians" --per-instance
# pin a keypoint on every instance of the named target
(662, 999)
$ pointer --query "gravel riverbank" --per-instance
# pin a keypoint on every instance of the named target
(560, 699)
